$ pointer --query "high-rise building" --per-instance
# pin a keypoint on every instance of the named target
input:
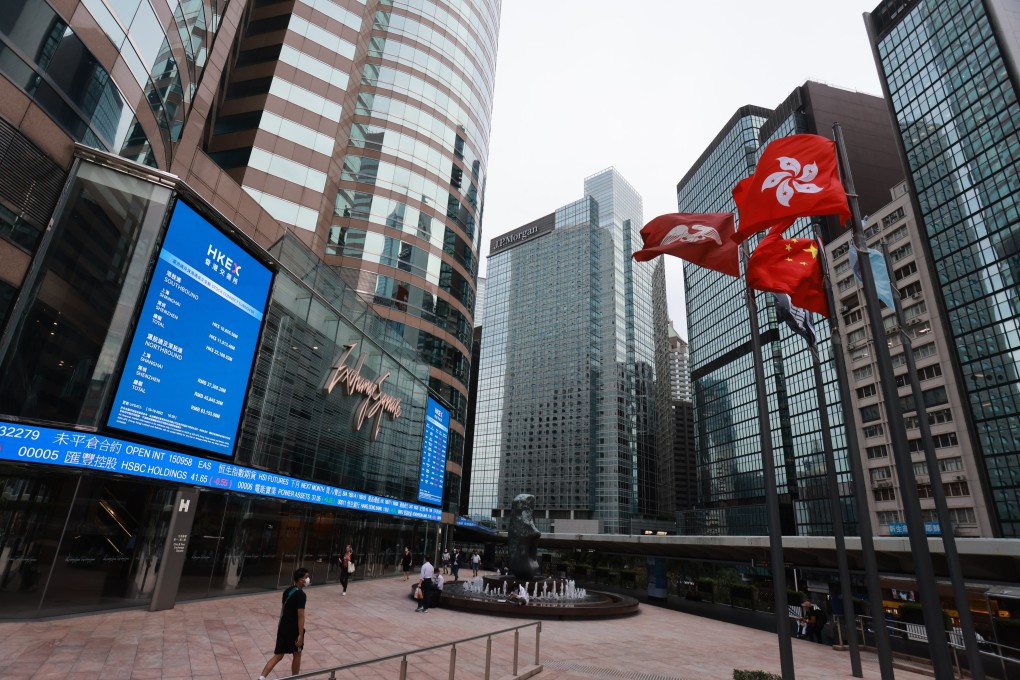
(895, 228)
(950, 75)
(679, 367)
(730, 480)
(333, 153)
(365, 128)
(678, 472)
(567, 367)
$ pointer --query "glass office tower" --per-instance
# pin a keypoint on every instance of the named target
(339, 143)
(727, 434)
(366, 129)
(731, 490)
(949, 70)
(566, 376)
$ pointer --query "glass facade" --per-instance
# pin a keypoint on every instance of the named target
(43, 56)
(566, 373)
(728, 434)
(385, 109)
(947, 70)
(80, 540)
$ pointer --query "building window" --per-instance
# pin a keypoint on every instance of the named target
(903, 251)
(862, 373)
(893, 217)
(880, 474)
(898, 234)
(910, 290)
(873, 431)
(909, 269)
(884, 494)
(877, 452)
(867, 391)
(870, 413)
(888, 516)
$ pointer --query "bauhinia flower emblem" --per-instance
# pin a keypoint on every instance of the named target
(792, 179)
(694, 233)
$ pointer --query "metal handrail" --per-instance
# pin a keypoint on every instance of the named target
(954, 640)
(453, 654)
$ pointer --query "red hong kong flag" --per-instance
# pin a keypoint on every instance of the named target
(796, 176)
(706, 239)
(791, 266)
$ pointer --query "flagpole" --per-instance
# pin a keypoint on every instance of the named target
(925, 573)
(771, 493)
(836, 509)
(883, 645)
(967, 631)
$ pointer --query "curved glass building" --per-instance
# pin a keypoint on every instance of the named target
(157, 159)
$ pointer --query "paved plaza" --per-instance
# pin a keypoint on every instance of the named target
(232, 637)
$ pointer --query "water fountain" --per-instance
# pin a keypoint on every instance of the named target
(546, 596)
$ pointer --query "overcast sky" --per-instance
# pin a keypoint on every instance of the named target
(644, 86)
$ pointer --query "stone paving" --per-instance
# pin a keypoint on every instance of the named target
(231, 638)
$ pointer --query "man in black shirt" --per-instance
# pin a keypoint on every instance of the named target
(290, 632)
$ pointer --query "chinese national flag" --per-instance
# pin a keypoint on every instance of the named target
(791, 266)
(705, 239)
(796, 176)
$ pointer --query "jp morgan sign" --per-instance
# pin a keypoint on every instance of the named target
(374, 402)
(539, 227)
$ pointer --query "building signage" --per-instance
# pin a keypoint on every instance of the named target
(900, 529)
(86, 450)
(528, 232)
(187, 370)
(433, 453)
(374, 402)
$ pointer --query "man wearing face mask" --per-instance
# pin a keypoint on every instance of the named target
(290, 632)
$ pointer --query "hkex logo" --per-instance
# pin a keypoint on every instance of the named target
(223, 260)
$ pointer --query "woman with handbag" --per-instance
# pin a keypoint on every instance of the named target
(346, 568)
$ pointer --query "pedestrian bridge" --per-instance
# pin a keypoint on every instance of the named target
(988, 560)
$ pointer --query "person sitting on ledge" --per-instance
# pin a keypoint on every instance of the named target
(521, 596)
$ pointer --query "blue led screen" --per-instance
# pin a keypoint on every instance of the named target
(433, 453)
(190, 360)
(87, 450)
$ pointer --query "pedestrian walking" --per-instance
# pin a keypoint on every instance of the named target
(405, 563)
(346, 568)
(446, 561)
(476, 562)
(455, 564)
(290, 631)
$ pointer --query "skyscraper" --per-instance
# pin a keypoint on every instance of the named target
(366, 128)
(896, 228)
(950, 74)
(567, 368)
(334, 153)
(731, 492)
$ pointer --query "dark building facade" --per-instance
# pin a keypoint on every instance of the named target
(950, 75)
(129, 134)
(730, 482)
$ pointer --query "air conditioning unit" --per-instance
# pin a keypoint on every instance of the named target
(914, 322)
(893, 329)
(961, 478)
(915, 296)
(883, 484)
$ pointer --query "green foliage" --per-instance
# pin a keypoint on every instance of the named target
(755, 675)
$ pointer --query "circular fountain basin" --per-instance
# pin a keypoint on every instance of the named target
(465, 595)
